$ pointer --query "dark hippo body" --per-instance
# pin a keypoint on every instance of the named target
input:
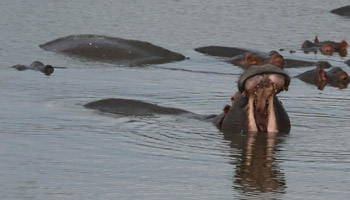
(342, 11)
(246, 58)
(269, 79)
(112, 49)
(236, 119)
(221, 51)
(325, 47)
(132, 107)
(37, 66)
(335, 77)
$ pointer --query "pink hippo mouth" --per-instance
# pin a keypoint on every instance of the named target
(261, 89)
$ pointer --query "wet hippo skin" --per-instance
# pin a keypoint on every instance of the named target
(112, 49)
(132, 107)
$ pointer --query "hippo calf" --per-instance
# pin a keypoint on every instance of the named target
(112, 49)
(37, 66)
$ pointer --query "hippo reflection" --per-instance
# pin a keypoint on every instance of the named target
(112, 49)
(37, 66)
(246, 58)
(335, 77)
(255, 108)
(256, 167)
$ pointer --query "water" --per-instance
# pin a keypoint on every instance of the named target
(53, 148)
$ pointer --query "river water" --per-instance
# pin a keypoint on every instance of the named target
(51, 147)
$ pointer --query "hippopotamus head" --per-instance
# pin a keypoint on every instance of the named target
(253, 58)
(326, 47)
(46, 69)
(256, 108)
(335, 77)
(330, 47)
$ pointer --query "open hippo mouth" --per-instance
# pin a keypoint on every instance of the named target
(260, 85)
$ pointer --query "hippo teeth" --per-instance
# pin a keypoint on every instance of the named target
(266, 107)
(275, 88)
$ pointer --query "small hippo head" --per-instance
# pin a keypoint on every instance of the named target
(335, 77)
(272, 57)
(329, 47)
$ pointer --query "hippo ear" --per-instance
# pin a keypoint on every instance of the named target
(277, 60)
(322, 76)
(226, 109)
(316, 39)
(343, 45)
(307, 44)
(250, 59)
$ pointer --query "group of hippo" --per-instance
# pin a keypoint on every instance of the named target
(254, 108)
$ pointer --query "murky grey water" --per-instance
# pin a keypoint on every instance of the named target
(53, 148)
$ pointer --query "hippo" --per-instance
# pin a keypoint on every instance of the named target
(255, 108)
(37, 66)
(250, 59)
(342, 11)
(335, 77)
(326, 47)
(245, 58)
(130, 107)
(221, 51)
(112, 49)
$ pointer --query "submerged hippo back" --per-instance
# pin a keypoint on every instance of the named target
(132, 107)
(111, 48)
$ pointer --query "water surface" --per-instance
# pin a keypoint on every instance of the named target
(54, 148)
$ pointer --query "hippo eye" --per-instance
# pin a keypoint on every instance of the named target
(344, 79)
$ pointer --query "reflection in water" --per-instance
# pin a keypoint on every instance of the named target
(256, 169)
